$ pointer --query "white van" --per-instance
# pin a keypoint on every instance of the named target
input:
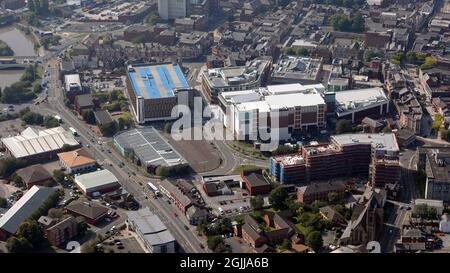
(221, 211)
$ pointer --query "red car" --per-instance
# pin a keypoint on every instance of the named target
(174, 214)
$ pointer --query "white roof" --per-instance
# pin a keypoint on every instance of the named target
(72, 79)
(150, 226)
(95, 180)
(24, 208)
(293, 88)
(383, 141)
(32, 141)
(360, 95)
(293, 100)
(261, 106)
(301, 42)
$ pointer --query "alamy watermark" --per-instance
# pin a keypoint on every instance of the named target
(208, 123)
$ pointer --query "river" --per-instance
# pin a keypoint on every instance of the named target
(22, 46)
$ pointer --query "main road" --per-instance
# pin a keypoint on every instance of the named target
(134, 184)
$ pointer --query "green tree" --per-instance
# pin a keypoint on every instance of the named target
(109, 129)
(18, 245)
(30, 230)
(33, 118)
(51, 122)
(343, 126)
(332, 197)
(370, 53)
(202, 227)
(314, 240)
(3, 203)
(257, 202)
(437, 122)
(277, 198)
(5, 50)
(82, 226)
(89, 117)
(286, 245)
(66, 148)
(56, 213)
(10, 165)
(17, 181)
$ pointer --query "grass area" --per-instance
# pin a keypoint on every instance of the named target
(241, 168)
(247, 149)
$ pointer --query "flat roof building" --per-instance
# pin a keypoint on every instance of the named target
(294, 69)
(150, 147)
(36, 145)
(375, 155)
(156, 89)
(296, 106)
(72, 84)
(99, 181)
(22, 209)
(357, 104)
(151, 231)
(237, 78)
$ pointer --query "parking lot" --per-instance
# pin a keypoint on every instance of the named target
(11, 127)
(232, 205)
(125, 242)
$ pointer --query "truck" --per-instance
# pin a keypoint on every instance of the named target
(153, 188)
(73, 131)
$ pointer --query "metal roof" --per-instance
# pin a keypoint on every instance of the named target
(150, 226)
(24, 207)
(95, 179)
(31, 141)
(149, 146)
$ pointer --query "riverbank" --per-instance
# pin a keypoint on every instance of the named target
(22, 45)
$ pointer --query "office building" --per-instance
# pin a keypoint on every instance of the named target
(296, 107)
(172, 9)
(294, 69)
(373, 155)
(155, 90)
(355, 105)
(236, 78)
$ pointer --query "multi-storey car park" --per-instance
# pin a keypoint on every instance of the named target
(375, 155)
(155, 90)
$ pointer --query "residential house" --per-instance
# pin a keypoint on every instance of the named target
(34, 175)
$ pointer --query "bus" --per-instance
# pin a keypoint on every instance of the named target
(153, 188)
(73, 131)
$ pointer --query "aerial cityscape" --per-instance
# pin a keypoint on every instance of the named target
(224, 126)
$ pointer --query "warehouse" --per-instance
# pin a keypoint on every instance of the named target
(97, 182)
(36, 146)
(151, 231)
(22, 209)
(149, 147)
(155, 90)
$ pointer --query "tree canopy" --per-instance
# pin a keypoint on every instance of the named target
(277, 198)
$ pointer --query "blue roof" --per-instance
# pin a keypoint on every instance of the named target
(157, 81)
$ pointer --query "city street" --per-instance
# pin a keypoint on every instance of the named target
(55, 105)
